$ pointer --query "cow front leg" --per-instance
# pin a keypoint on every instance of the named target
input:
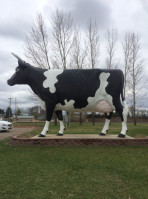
(60, 118)
(49, 112)
(107, 123)
(45, 129)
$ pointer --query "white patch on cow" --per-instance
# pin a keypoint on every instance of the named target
(51, 80)
(101, 92)
(68, 105)
(106, 126)
(92, 101)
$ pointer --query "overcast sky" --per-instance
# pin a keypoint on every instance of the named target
(17, 17)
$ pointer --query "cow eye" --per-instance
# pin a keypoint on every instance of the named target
(17, 70)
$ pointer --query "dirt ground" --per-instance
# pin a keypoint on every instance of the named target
(16, 131)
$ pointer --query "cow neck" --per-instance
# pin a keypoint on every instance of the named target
(35, 80)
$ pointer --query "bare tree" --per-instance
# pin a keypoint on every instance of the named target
(135, 70)
(61, 40)
(126, 45)
(111, 41)
(78, 52)
(78, 56)
(92, 34)
(36, 45)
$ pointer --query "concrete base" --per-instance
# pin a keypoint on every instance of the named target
(80, 140)
(80, 136)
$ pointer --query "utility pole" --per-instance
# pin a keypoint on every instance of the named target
(15, 109)
(10, 98)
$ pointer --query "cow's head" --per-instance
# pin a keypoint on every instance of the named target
(21, 73)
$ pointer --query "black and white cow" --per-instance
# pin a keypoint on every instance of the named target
(75, 90)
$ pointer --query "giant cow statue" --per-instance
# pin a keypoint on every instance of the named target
(93, 90)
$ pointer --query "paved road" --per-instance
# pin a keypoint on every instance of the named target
(16, 131)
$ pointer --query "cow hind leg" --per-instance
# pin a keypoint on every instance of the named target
(107, 123)
(60, 118)
(123, 113)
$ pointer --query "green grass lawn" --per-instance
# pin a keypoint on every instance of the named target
(138, 131)
(66, 172)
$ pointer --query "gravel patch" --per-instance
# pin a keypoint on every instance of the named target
(16, 131)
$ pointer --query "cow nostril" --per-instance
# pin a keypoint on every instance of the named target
(9, 82)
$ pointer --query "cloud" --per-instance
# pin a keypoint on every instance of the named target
(83, 10)
(14, 28)
(17, 17)
(86, 9)
(145, 4)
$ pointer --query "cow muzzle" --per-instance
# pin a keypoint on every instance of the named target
(10, 82)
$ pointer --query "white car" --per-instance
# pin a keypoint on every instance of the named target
(5, 126)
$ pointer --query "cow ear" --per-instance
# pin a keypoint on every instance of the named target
(23, 64)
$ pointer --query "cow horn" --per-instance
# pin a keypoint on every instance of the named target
(16, 56)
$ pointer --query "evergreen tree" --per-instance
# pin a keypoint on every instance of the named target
(18, 112)
(8, 112)
(1, 111)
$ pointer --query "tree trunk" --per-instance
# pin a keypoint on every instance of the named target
(93, 118)
(80, 118)
(134, 96)
(134, 107)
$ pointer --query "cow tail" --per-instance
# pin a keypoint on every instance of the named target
(125, 106)
(122, 96)
(122, 87)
